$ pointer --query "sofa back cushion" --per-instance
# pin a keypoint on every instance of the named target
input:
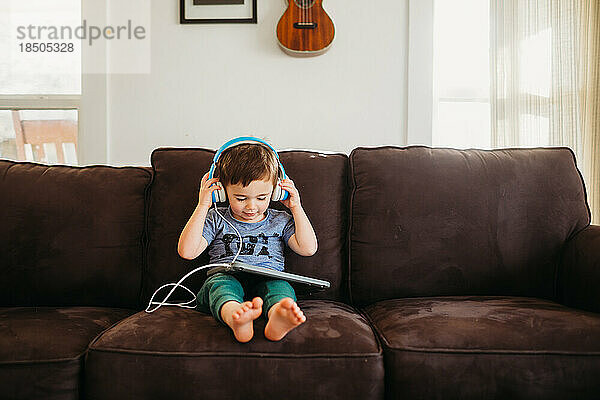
(321, 180)
(430, 222)
(71, 235)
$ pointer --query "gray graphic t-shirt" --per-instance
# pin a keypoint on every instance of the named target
(263, 242)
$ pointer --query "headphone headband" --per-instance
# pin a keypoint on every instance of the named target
(219, 195)
(242, 140)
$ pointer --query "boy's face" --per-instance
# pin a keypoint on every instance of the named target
(248, 204)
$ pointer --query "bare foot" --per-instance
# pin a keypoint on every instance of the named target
(283, 317)
(240, 317)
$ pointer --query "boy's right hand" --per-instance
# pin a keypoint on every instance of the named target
(207, 186)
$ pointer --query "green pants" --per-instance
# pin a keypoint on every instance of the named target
(220, 288)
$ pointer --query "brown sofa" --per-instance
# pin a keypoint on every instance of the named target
(454, 274)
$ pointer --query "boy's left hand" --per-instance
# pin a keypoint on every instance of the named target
(293, 199)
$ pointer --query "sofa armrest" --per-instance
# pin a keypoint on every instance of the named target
(579, 279)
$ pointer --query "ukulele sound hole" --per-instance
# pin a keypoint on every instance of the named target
(304, 3)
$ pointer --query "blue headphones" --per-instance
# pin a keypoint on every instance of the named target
(219, 195)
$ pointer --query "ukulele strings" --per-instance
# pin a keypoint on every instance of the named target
(306, 11)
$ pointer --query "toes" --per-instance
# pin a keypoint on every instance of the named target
(257, 302)
(287, 303)
(297, 311)
(244, 308)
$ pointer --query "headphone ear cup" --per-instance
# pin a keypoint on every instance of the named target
(279, 193)
(219, 195)
(284, 194)
(276, 192)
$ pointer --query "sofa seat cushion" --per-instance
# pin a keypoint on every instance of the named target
(182, 353)
(487, 347)
(42, 348)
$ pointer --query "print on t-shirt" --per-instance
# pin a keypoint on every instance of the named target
(249, 244)
(263, 242)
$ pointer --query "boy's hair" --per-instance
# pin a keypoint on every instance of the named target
(245, 163)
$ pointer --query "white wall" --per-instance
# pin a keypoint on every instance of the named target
(209, 83)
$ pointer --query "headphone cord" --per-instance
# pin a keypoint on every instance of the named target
(185, 304)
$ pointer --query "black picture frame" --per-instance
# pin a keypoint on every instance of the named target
(225, 20)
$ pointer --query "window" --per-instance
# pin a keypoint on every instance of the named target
(461, 82)
(40, 90)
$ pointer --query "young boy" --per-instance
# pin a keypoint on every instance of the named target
(248, 172)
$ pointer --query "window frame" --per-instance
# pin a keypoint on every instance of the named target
(420, 72)
(40, 102)
(91, 104)
(423, 99)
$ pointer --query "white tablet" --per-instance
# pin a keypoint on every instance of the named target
(270, 273)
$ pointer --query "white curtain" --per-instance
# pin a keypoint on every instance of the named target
(589, 75)
(544, 78)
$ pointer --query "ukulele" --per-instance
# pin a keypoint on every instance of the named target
(305, 29)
